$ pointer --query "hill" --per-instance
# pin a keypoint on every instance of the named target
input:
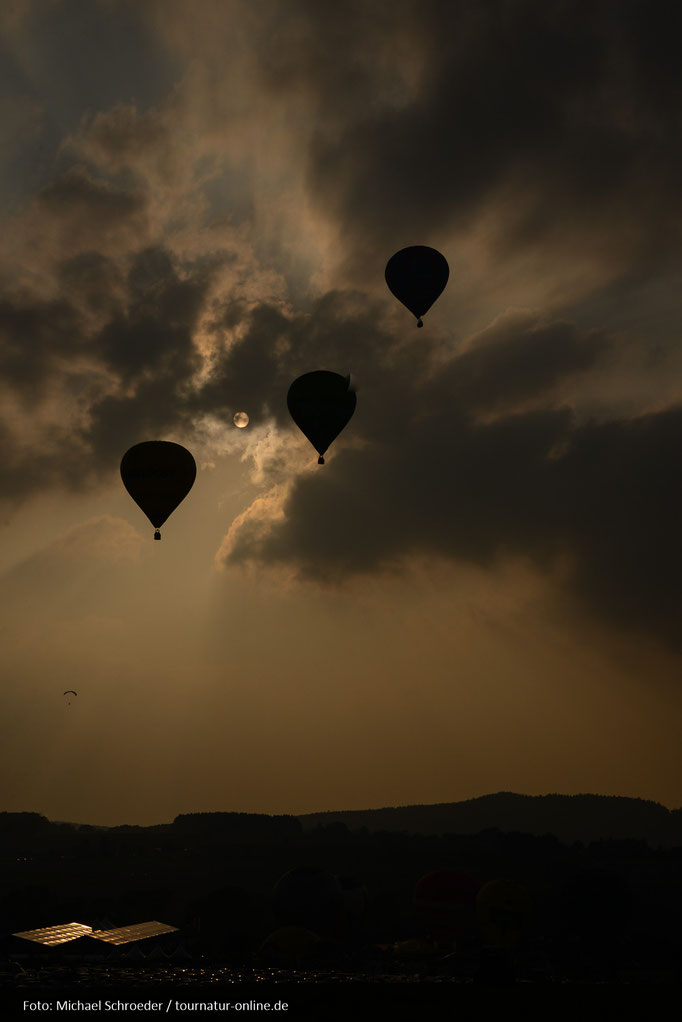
(568, 817)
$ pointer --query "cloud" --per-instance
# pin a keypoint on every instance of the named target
(190, 258)
(104, 538)
(535, 482)
(54, 330)
(85, 561)
(554, 112)
(520, 357)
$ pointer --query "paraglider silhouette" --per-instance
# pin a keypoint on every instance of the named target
(417, 276)
(321, 403)
(158, 475)
(70, 692)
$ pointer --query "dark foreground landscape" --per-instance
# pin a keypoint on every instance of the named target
(255, 904)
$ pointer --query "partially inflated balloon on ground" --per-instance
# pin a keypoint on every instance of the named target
(502, 911)
(158, 475)
(445, 901)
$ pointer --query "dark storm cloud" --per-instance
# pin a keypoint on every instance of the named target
(573, 109)
(119, 422)
(131, 377)
(106, 44)
(93, 279)
(91, 210)
(518, 358)
(248, 374)
(622, 508)
(436, 479)
(149, 346)
(424, 110)
(155, 329)
(340, 333)
(606, 496)
(34, 337)
(25, 470)
(101, 44)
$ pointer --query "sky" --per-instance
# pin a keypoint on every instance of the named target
(481, 590)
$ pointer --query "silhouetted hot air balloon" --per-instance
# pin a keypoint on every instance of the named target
(158, 475)
(321, 404)
(417, 276)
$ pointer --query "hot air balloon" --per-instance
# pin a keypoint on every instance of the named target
(417, 276)
(321, 404)
(158, 475)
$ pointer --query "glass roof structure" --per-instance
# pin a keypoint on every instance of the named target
(51, 935)
(139, 931)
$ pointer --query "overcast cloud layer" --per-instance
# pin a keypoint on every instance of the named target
(191, 240)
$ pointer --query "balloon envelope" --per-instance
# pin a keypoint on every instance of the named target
(321, 404)
(158, 475)
(417, 276)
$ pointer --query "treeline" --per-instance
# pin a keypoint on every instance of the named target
(18, 830)
(238, 825)
(568, 817)
(23, 823)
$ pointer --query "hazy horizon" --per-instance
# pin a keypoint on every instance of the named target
(334, 810)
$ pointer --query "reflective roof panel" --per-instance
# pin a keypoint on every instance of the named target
(139, 931)
(50, 935)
